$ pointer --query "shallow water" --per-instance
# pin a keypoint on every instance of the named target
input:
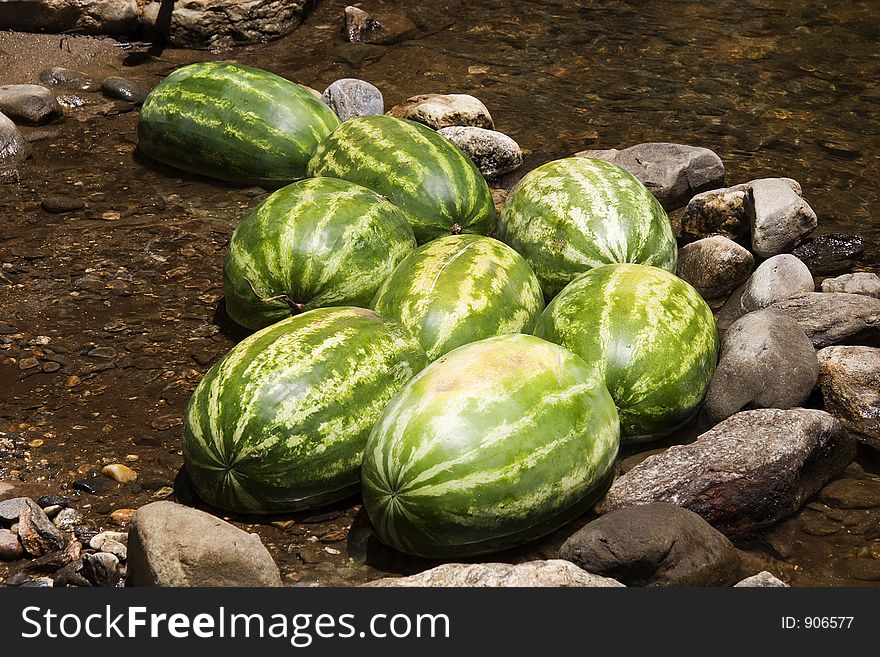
(773, 89)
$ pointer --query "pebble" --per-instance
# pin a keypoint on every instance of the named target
(18, 579)
(36, 532)
(38, 583)
(10, 547)
(66, 77)
(70, 575)
(819, 525)
(163, 493)
(101, 568)
(122, 516)
(13, 147)
(102, 352)
(68, 519)
(53, 500)
(60, 203)
(10, 509)
(119, 472)
(115, 548)
(376, 28)
(155, 483)
(95, 486)
(122, 89)
(28, 363)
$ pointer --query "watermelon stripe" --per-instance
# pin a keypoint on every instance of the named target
(460, 289)
(280, 422)
(571, 215)
(420, 171)
(492, 445)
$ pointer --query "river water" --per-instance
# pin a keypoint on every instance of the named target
(124, 294)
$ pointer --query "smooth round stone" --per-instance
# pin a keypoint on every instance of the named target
(119, 472)
(350, 97)
(715, 265)
(776, 279)
(122, 89)
(58, 76)
(493, 153)
(59, 203)
(28, 103)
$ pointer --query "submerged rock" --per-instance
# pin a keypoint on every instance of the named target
(28, 103)
(122, 89)
(359, 26)
(715, 265)
(856, 283)
(833, 317)
(174, 545)
(443, 110)
(672, 172)
(779, 219)
(654, 545)
(850, 382)
(555, 572)
(747, 473)
(831, 253)
(58, 76)
(493, 153)
(351, 97)
(14, 149)
(767, 361)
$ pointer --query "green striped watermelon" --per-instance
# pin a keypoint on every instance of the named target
(317, 242)
(459, 289)
(233, 122)
(496, 443)
(570, 215)
(280, 423)
(650, 334)
(438, 188)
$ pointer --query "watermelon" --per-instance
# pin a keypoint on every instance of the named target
(570, 215)
(233, 122)
(438, 188)
(494, 444)
(280, 422)
(459, 289)
(315, 243)
(651, 336)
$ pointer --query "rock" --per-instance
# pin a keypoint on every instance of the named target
(778, 278)
(10, 547)
(555, 572)
(95, 485)
(350, 97)
(70, 575)
(866, 570)
(443, 110)
(58, 76)
(101, 569)
(767, 361)
(13, 147)
(852, 494)
(747, 473)
(672, 172)
(857, 283)
(124, 516)
(833, 317)
(779, 219)
(850, 381)
(493, 153)
(60, 203)
(28, 103)
(37, 583)
(59, 16)
(173, 545)
(378, 28)
(54, 500)
(654, 545)
(119, 472)
(97, 541)
(715, 265)
(761, 580)
(122, 89)
(68, 519)
(10, 509)
(36, 532)
(831, 253)
(722, 211)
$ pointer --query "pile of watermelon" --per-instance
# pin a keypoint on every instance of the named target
(471, 375)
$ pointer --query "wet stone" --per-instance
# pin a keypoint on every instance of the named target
(10, 547)
(37, 533)
(832, 253)
(819, 525)
(376, 28)
(68, 519)
(18, 579)
(28, 363)
(122, 89)
(28, 103)
(58, 76)
(53, 500)
(59, 203)
(866, 570)
(852, 494)
(13, 147)
(94, 486)
(102, 352)
(38, 583)
(70, 575)
(119, 472)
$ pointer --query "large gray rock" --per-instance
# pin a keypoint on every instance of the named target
(761, 580)
(850, 382)
(13, 147)
(860, 282)
(444, 110)
(714, 265)
(672, 172)
(767, 361)
(779, 219)
(654, 545)
(777, 278)
(555, 572)
(747, 473)
(350, 97)
(28, 103)
(833, 317)
(831, 253)
(57, 16)
(174, 545)
(36, 532)
(381, 28)
(722, 211)
(493, 153)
